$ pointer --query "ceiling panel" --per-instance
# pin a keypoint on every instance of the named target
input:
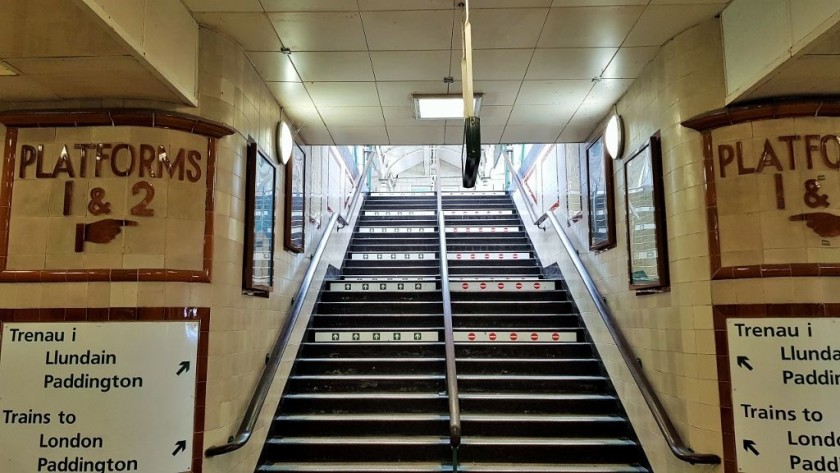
(333, 66)
(308, 5)
(608, 91)
(20, 88)
(598, 3)
(534, 92)
(253, 31)
(408, 30)
(504, 28)
(224, 5)
(316, 135)
(320, 31)
(290, 94)
(410, 65)
(274, 67)
(491, 115)
(576, 132)
(539, 115)
(489, 134)
(352, 116)
(359, 135)
(304, 116)
(531, 134)
(495, 64)
(588, 27)
(416, 135)
(496, 92)
(393, 94)
(405, 5)
(629, 62)
(659, 23)
(343, 94)
(569, 63)
(477, 4)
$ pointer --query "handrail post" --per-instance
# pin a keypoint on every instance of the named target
(451, 371)
(246, 427)
(672, 437)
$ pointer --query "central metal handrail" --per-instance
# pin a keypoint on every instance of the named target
(675, 442)
(449, 339)
(246, 427)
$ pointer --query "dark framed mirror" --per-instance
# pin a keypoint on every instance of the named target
(600, 197)
(261, 193)
(295, 203)
(647, 242)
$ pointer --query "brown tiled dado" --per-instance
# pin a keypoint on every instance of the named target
(140, 314)
(107, 118)
(720, 314)
(709, 121)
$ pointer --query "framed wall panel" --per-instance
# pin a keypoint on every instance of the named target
(295, 202)
(600, 197)
(647, 242)
(261, 190)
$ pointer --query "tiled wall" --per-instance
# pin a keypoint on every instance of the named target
(672, 332)
(242, 328)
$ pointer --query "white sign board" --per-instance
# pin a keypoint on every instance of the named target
(785, 392)
(97, 397)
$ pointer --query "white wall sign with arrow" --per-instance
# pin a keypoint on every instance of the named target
(785, 375)
(117, 396)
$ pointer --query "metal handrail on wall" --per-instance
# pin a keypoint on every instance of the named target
(449, 339)
(675, 442)
(246, 428)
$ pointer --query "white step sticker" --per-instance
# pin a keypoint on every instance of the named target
(380, 278)
(381, 336)
(503, 336)
(476, 212)
(402, 194)
(476, 193)
(412, 286)
(393, 256)
(501, 286)
(396, 229)
(481, 229)
(487, 256)
(395, 213)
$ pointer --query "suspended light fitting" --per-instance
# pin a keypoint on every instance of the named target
(614, 136)
(284, 142)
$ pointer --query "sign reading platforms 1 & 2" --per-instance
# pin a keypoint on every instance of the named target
(785, 388)
(97, 397)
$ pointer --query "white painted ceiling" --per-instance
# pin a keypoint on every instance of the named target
(549, 70)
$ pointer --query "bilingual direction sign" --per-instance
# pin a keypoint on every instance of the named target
(97, 397)
(785, 388)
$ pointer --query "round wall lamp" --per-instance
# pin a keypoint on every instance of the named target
(284, 142)
(614, 136)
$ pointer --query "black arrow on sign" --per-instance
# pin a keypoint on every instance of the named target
(743, 362)
(749, 446)
(180, 446)
(184, 367)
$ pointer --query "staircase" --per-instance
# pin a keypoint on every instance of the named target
(367, 392)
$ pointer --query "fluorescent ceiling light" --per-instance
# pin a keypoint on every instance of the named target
(442, 107)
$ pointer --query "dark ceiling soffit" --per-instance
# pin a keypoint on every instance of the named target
(115, 117)
(765, 110)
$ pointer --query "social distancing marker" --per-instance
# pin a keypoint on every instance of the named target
(375, 278)
(487, 256)
(375, 286)
(397, 213)
(505, 336)
(402, 194)
(481, 229)
(379, 336)
(396, 229)
(393, 256)
(455, 213)
(476, 193)
(510, 285)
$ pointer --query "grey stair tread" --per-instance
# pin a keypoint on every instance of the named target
(372, 360)
(528, 377)
(522, 360)
(362, 440)
(543, 441)
(543, 397)
(550, 468)
(406, 377)
(384, 467)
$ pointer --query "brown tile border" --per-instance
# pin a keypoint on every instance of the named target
(720, 315)
(108, 118)
(115, 117)
(727, 116)
(140, 314)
